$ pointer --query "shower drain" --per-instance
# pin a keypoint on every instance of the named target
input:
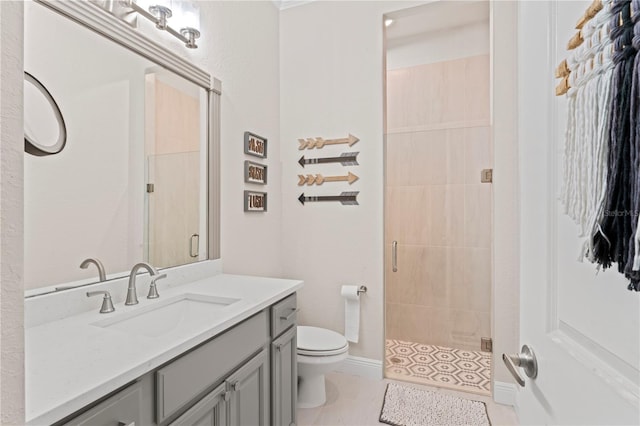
(395, 360)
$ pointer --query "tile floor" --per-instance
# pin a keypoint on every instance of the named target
(357, 401)
(457, 369)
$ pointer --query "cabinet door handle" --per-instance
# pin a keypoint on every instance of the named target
(226, 395)
(278, 347)
(235, 386)
(288, 317)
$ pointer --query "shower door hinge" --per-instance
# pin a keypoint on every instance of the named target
(486, 176)
(151, 187)
(486, 344)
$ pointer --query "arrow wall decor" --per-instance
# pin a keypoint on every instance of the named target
(311, 143)
(319, 179)
(346, 159)
(345, 198)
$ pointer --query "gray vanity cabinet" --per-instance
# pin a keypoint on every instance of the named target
(244, 376)
(284, 371)
(210, 411)
(131, 405)
(284, 378)
(249, 393)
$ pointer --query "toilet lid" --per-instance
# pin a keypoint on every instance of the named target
(320, 339)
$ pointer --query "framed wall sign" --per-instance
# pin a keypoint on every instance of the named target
(255, 201)
(255, 173)
(255, 145)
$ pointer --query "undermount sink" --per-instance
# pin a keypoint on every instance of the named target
(180, 312)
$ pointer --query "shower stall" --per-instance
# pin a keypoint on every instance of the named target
(438, 199)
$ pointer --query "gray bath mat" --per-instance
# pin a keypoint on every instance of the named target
(407, 406)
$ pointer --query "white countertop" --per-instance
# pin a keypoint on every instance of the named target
(71, 363)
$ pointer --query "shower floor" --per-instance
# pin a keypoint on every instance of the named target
(463, 370)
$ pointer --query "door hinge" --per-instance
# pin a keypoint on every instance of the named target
(486, 344)
(151, 187)
(486, 176)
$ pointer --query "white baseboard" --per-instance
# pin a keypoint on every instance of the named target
(364, 367)
(505, 393)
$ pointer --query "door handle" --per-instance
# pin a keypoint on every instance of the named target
(526, 360)
(394, 256)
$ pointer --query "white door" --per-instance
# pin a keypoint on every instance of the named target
(584, 328)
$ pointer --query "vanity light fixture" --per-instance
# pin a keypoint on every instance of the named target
(184, 14)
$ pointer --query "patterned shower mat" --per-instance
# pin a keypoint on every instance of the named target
(458, 369)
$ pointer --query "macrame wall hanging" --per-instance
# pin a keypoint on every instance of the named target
(601, 182)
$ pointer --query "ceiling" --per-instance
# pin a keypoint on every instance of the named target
(436, 16)
(285, 4)
(433, 16)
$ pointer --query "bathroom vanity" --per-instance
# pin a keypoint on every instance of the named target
(140, 129)
(230, 363)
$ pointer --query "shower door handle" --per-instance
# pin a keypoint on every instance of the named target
(394, 256)
(194, 249)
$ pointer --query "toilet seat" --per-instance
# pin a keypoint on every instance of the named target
(315, 341)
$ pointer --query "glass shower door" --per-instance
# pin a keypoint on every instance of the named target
(438, 213)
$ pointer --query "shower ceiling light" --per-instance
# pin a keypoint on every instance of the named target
(159, 12)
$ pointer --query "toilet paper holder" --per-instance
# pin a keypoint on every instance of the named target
(361, 289)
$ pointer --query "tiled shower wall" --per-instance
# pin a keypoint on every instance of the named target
(438, 141)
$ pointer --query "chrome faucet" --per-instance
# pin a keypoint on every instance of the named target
(132, 296)
(85, 264)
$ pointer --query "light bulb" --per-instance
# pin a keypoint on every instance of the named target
(186, 15)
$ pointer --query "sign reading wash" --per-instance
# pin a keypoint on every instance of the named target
(255, 145)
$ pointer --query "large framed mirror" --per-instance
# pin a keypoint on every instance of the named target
(137, 179)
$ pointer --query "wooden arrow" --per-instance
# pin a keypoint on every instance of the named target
(311, 143)
(345, 198)
(319, 179)
(346, 159)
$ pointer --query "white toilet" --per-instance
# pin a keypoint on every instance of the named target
(319, 352)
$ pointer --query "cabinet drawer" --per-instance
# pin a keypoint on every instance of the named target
(191, 375)
(123, 408)
(284, 314)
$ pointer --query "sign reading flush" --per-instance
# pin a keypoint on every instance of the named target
(255, 201)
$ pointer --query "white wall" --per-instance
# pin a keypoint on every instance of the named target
(506, 203)
(331, 59)
(11, 218)
(430, 47)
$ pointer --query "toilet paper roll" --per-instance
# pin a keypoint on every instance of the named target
(351, 312)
